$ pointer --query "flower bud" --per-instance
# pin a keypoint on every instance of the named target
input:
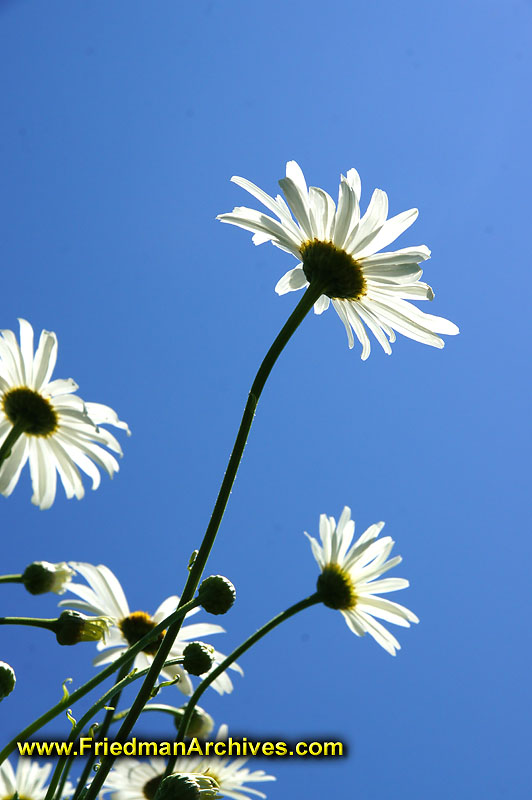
(200, 724)
(216, 594)
(199, 658)
(7, 679)
(41, 577)
(187, 786)
(73, 627)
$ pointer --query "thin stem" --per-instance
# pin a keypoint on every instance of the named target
(11, 579)
(161, 707)
(102, 730)
(9, 441)
(66, 702)
(269, 626)
(34, 622)
(78, 727)
(303, 307)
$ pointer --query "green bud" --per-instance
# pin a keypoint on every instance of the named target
(41, 577)
(7, 679)
(187, 786)
(73, 627)
(199, 658)
(216, 594)
(200, 724)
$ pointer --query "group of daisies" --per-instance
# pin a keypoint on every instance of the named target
(137, 780)
(339, 254)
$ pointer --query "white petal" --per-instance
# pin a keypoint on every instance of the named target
(343, 316)
(294, 279)
(321, 304)
(109, 597)
(347, 214)
(12, 467)
(407, 255)
(370, 224)
(26, 349)
(104, 415)
(59, 387)
(379, 633)
(389, 232)
(45, 359)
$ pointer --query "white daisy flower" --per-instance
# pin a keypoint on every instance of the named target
(104, 596)
(338, 250)
(136, 780)
(348, 578)
(60, 431)
(28, 781)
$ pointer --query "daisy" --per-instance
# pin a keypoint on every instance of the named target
(136, 780)
(104, 596)
(348, 578)
(28, 782)
(59, 431)
(338, 251)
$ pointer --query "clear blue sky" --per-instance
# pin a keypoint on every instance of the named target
(122, 124)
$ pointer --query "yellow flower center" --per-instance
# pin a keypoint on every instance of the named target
(16, 795)
(137, 625)
(336, 588)
(338, 271)
(31, 410)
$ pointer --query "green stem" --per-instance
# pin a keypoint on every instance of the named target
(9, 441)
(132, 651)
(161, 707)
(105, 699)
(269, 626)
(34, 622)
(11, 579)
(303, 307)
(102, 730)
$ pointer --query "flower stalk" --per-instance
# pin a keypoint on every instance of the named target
(70, 699)
(7, 445)
(62, 768)
(249, 642)
(310, 296)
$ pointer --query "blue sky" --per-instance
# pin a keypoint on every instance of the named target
(122, 125)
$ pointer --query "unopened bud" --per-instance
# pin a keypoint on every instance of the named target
(7, 679)
(216, 594)
(199, 658)
(200, 724)
(187, 786)
(73, 627)
(41, 577)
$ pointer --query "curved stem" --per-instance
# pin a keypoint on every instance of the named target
(161, 707)
(102, 730)
(132, 651)
(11, 579)
(121, 684)
(269, 626)
(9, 441)
(33, 622)
(303, 307)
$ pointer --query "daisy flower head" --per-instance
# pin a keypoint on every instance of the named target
(103, 595)
(338, 251)
(349, 578)
(136, 780)
(60, 432)
(27, 782)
